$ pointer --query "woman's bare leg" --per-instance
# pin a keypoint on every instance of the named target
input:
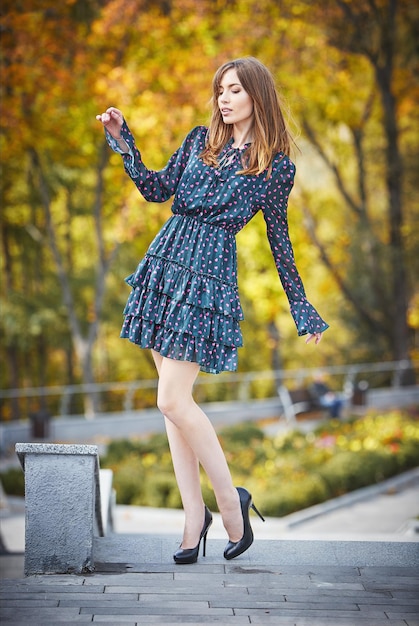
(193, 440)
(186, 468)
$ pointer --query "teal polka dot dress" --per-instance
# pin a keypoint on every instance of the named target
(184, 302)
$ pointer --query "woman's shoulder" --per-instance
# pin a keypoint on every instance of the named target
(195, 139)
(198, 132)
(282, 164)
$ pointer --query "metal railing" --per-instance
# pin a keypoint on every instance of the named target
(129, 395)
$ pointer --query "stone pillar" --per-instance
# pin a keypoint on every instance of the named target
(61, 489)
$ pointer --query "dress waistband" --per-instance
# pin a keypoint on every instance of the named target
(197, 218)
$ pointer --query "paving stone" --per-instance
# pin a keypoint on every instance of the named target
(99, 605)
(28, 603)
(33, 622)
(104, 619)
(308, 585)
(65, 594)
(358, 598)
(392, 571)
(324, 593)
(169, 608)
(401, 584)
(174, 587)
(405, 609)
(167, 620)
(323, 621)
(224, 595)
(397, 593)
(44, 615)
(43, 581)
(309, 611)
(130, 580)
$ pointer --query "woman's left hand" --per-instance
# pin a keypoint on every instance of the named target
(316, 336)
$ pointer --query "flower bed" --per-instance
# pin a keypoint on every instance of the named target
(285, 474)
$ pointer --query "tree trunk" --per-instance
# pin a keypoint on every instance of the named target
(83, 344)
(383, 66)
(11, 350)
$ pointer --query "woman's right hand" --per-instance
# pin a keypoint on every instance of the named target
(112, 120)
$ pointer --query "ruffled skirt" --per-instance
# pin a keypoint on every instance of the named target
(184, 302)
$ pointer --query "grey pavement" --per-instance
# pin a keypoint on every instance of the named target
(239, 592)
(352, 561)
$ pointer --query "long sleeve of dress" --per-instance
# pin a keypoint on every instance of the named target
(305, 316)
(155, 186)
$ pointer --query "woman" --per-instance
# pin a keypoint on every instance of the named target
(184, 303)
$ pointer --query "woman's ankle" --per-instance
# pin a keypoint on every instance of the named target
(232, 517)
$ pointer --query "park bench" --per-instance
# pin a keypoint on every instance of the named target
(68, 501)
(299, 402)
(302, 402)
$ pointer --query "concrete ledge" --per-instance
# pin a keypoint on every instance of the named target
(129, 550)
(62, 507)
(23, 449)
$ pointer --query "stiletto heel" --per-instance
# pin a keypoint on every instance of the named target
(204, 542)
(252, 506)
(234, 549)
(190, 555)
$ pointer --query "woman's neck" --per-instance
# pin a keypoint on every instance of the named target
(242, 135)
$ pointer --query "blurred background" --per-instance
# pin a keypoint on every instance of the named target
(73, 225)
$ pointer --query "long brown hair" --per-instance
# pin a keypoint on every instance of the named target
(270, 134)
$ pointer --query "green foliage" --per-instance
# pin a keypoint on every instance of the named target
(283, 497)
(352, 470)
(285, 473)
(142, 472)
(242, 436)
(13, 481)
(120, 448)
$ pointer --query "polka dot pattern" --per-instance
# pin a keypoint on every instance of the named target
(184, 301)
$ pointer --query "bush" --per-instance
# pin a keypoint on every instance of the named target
(241, 435)
(13, 481)
(283, 498)
(119, 449)
(161, 491)
(129, 480)
(348, 471)
(284, 473)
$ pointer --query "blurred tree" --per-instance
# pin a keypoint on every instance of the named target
(377, 40)
(68, 205)
(53, 191)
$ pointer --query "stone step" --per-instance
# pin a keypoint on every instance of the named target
(275, 582)
(122, 552)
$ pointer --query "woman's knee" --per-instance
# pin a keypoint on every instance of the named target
(165, 404)
(174, 393)
(171, 403)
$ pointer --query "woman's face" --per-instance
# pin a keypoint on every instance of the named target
(234, 102)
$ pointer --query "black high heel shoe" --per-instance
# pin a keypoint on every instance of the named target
(190, 555)
(234, 549)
